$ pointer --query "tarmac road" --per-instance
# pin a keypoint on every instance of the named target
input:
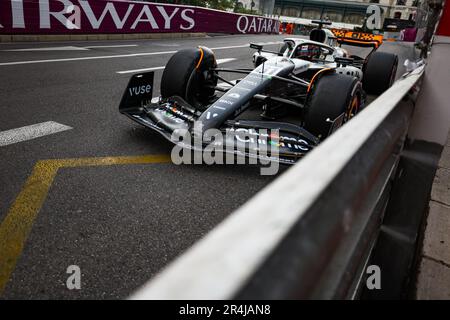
(121, 222)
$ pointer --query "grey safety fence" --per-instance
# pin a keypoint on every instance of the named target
(309, 234)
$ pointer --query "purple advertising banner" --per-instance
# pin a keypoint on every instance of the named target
(116, 16)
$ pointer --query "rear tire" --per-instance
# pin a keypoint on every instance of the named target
(187, 75)
(331, 95)
(379, 72)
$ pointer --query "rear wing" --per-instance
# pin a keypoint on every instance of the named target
(355, 38)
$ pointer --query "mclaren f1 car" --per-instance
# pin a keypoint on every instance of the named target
(304, 100)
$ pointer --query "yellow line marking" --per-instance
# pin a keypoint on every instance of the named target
(19, 220)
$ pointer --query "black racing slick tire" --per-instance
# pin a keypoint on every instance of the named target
(379, 72)
(331, 96)
(188, 75)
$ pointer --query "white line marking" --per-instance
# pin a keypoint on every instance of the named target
(246, 45)
(31, 132)
(140, 70)
(86, 58)
(219, 61)
(66, 48)
(166, 44)
(70, 48)
(109, 57)
(112, 46)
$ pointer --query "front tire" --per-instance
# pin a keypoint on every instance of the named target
(332, 95)
(188, 75)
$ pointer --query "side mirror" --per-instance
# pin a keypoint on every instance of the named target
(325, 51)
(412, 65)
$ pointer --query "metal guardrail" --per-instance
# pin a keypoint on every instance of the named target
(309, 234)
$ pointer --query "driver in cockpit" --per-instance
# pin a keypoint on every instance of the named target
(307, 52)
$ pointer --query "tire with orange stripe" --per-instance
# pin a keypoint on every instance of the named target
(331, 96)
(187, 75)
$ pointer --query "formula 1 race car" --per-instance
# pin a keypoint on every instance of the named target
(304, 101)
(376, 71)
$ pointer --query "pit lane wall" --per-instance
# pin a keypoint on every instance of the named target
(115, 17)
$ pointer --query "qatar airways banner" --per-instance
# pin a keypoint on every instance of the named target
(116, 16)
